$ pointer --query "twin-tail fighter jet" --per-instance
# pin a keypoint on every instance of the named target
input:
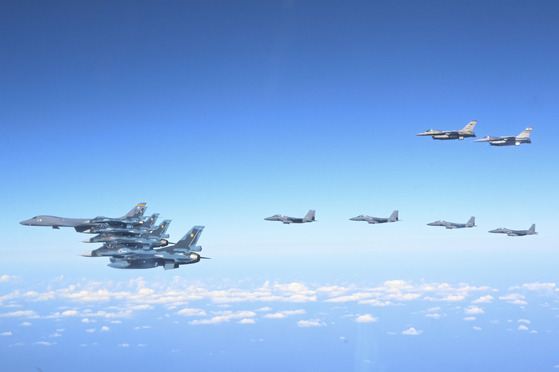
(454, 225)
(373, 220)
(467, 131)
(171, 257)
(287, 220)
(523, 137)
(83, 224)
(509, 232)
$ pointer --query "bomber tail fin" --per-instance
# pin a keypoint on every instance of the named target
(310, 216)
(393, 217)
(471, 222)
(190, 238)
(136, 212)
(525, 133)
(470, 126)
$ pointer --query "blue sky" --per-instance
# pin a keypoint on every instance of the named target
(223, 113)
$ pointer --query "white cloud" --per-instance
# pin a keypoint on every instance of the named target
(367, 318)
(20, 313)
(105, 329)
(70, 313)
(246, 321)
(310, 323)
(484, 300)
(56, 334)
(6, 278)
(284, 314)
(526, 321)
(477, 328)
(540, 287)
(124, 345)
(514, 298)
(473, 310)
(470, 318)
(6, 333)
(91, 330)
(412, 332)
(522, 328)
(433, 315)
(44, 343)
(25, 324)
(454, 298)
(224, 316)
(192, 312)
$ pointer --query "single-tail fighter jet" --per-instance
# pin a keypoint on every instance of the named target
(467, 131)
(171, 257)
(509, 232)
(81, 224)
(393, 218)
(453, 225)
(156, 237)
(287, 220)
(523, 137)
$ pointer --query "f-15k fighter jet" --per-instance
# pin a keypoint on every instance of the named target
(509, 232)
(454, 225)
(287, 220)
(393, 218)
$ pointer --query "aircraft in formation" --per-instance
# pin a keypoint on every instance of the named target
(287, 220)
(130, 241)
(523, 137)
(467, 131)
(454, 225)
(372, 220)
(509, 232)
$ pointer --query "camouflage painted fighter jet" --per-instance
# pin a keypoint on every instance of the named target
(171, 257)
(509, 232)
(287, 220)
(82, 224)
(523, 137)
(454, 225)
(467, 131)
(373, 220)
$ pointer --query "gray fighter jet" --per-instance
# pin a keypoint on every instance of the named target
(467, 131)
(81, 224)
(453, 225)
(509, 232)
(287, 220)
(523, 137)
(393, 218)
(182, 253)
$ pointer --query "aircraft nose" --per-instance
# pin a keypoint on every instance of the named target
(432, 224)
(25, 222)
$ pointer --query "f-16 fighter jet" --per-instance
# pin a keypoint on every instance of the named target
(509, 232)
(286, 219)
(393, 218)
(467, 131)
(182, 253)
(453, 225)
(81, 224)
(523, 137)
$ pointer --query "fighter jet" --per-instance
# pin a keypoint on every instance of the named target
(523, 137)
(467, 131)
(153, 238)
(509, 232)
(453, 225)
(393, 218)
(133, 228)
(81, 224)
(182, 253)
(287, 220)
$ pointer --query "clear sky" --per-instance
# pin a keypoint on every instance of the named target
(221, 113)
